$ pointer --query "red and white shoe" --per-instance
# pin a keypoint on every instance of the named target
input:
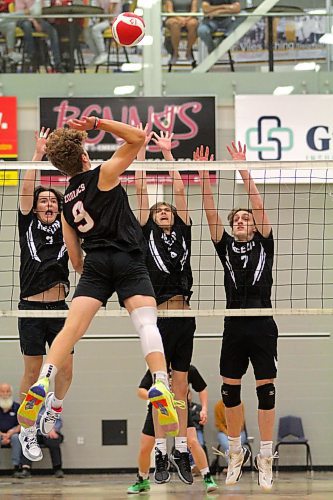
(50, 415)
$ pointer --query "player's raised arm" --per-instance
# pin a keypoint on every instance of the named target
(164, 141)
(125, 154)
(259, 213)
(214, 220)
(29, 180)
(141, 182)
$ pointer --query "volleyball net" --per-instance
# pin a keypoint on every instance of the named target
(298, 198)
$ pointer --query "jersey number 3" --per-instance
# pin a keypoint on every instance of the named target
(82, 218)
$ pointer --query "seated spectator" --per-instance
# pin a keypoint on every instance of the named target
(212, 9)
(94, 33)
(221, 425)
(9, 426)
(30, 25)
(7, 28)
(175, 24)
(52, 441)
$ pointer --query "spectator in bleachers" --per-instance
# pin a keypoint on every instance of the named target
(212, 22)
(94, 32)
(30, 25)
(52, 441)
(175, 24)
(9, 426)
(7, 28)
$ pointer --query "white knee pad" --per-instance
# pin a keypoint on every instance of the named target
(144, 320)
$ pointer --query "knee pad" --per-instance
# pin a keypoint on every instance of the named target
(144, 320)
(266, 396)
(231, 395)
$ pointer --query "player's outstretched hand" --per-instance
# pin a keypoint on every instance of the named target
(85, 123)
(237, 154)
(41, 140)
(164, 140)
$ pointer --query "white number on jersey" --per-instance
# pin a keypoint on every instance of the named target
(245, 258)
(82, 218)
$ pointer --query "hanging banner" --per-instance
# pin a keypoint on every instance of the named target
(8, 139)
(286, 128)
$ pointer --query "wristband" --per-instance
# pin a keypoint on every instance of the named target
(96, 124)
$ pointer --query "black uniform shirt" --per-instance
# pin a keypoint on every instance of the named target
(44, 258)
(247, 270)
(168, 259)
(101, 218)
(194, 378)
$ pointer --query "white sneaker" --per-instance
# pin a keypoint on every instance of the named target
(264, 466)
(50, 416)
(30, 447)
(101, 58)
(15, 56)
(235, 464)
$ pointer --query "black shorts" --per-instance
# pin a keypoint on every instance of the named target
(177, 337)
(148, 426)
(35, 333)
(249, 339)
(109, 270)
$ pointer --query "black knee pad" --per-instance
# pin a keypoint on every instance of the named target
(231, 395)
(266, 397)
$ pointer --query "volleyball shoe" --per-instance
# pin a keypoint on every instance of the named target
(28, 411)
(163, 400)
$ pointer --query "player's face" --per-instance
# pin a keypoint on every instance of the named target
(47, 207)
(243, 226)
(164, 217)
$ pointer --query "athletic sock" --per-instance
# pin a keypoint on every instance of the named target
(204, 471)
(162, 376)
(181, 444)
(161, 444)
(144, 475)
(235, 445)
(48, 371)
(266, 449)
(56, 403)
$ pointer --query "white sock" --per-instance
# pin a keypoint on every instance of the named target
(161, 444)
(48, 371)
(56, 403)
(235, 445)
(144, 475)
(181, 444)
(204, 471)
(162, 376)
(266, 449)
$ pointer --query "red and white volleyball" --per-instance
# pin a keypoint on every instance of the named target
(128, 29)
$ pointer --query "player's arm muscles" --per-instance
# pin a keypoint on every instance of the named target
(30, 177)
(259, 213)
(125, 154)
(216, 227)
(141, 182)
(73, 245)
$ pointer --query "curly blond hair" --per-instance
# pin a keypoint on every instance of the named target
(64, 149)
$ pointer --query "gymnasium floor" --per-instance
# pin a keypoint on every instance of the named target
(106, 487)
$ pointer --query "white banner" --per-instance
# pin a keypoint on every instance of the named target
(286, 128)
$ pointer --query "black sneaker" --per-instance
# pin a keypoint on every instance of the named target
(161, 474)
(182, 463)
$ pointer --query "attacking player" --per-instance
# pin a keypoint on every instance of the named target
(96, 210)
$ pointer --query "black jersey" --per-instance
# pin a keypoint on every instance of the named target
(194, 379)
(247, 270)
(168, 259)
(44, 257)
(101, 218)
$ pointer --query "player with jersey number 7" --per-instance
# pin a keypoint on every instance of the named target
(96, 210)
(247, 258)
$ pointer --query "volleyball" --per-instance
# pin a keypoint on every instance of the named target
(128, 29)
